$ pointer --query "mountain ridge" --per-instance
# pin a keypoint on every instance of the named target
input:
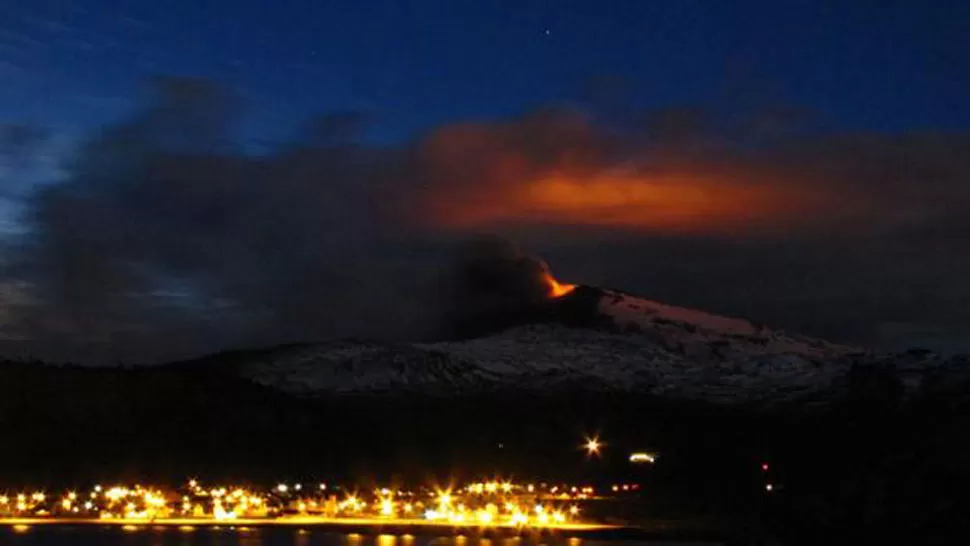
(590, 340)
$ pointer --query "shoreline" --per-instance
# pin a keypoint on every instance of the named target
(311, 521)
(370, 527)
(350, 525)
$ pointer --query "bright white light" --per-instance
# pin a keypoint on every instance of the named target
(643, 457)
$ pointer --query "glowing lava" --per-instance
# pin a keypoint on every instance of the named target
(556, 289)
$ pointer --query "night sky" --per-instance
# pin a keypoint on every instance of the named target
(187, 176)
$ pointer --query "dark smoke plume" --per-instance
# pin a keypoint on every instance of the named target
(494, 284)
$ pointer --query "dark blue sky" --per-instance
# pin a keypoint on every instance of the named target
(883, 65)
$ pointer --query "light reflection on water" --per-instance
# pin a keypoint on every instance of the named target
(255, 536)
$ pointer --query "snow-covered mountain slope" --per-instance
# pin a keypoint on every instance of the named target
(363, 366)
(639, 346)
(551, 357)
(602, 341)
(679, 329)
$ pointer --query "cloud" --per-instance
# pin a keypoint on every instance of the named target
(165, 238)
(21, 147)
(676, 177)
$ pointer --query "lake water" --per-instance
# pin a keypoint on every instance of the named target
(203, 536)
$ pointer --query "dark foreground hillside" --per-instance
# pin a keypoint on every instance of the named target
(871, 466)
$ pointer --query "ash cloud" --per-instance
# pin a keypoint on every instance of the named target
(166, 238)
(493, 283)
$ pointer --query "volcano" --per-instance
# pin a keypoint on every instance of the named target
(583, 338)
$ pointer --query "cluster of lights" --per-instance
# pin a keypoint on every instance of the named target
(494, 503)
(482, 503)
(122, 502)
(485, 503)
(542, 491)
(223, 503)
(136, 502)
(24, 503)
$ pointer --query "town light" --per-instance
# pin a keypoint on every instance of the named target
(593, 446)
(643, 457)
(484, 503)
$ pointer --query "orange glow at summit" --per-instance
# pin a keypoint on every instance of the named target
(556, 288)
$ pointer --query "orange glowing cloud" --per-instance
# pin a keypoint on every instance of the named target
(547, 170)
(667, 203)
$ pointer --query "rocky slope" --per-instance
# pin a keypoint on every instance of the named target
(597, 341)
